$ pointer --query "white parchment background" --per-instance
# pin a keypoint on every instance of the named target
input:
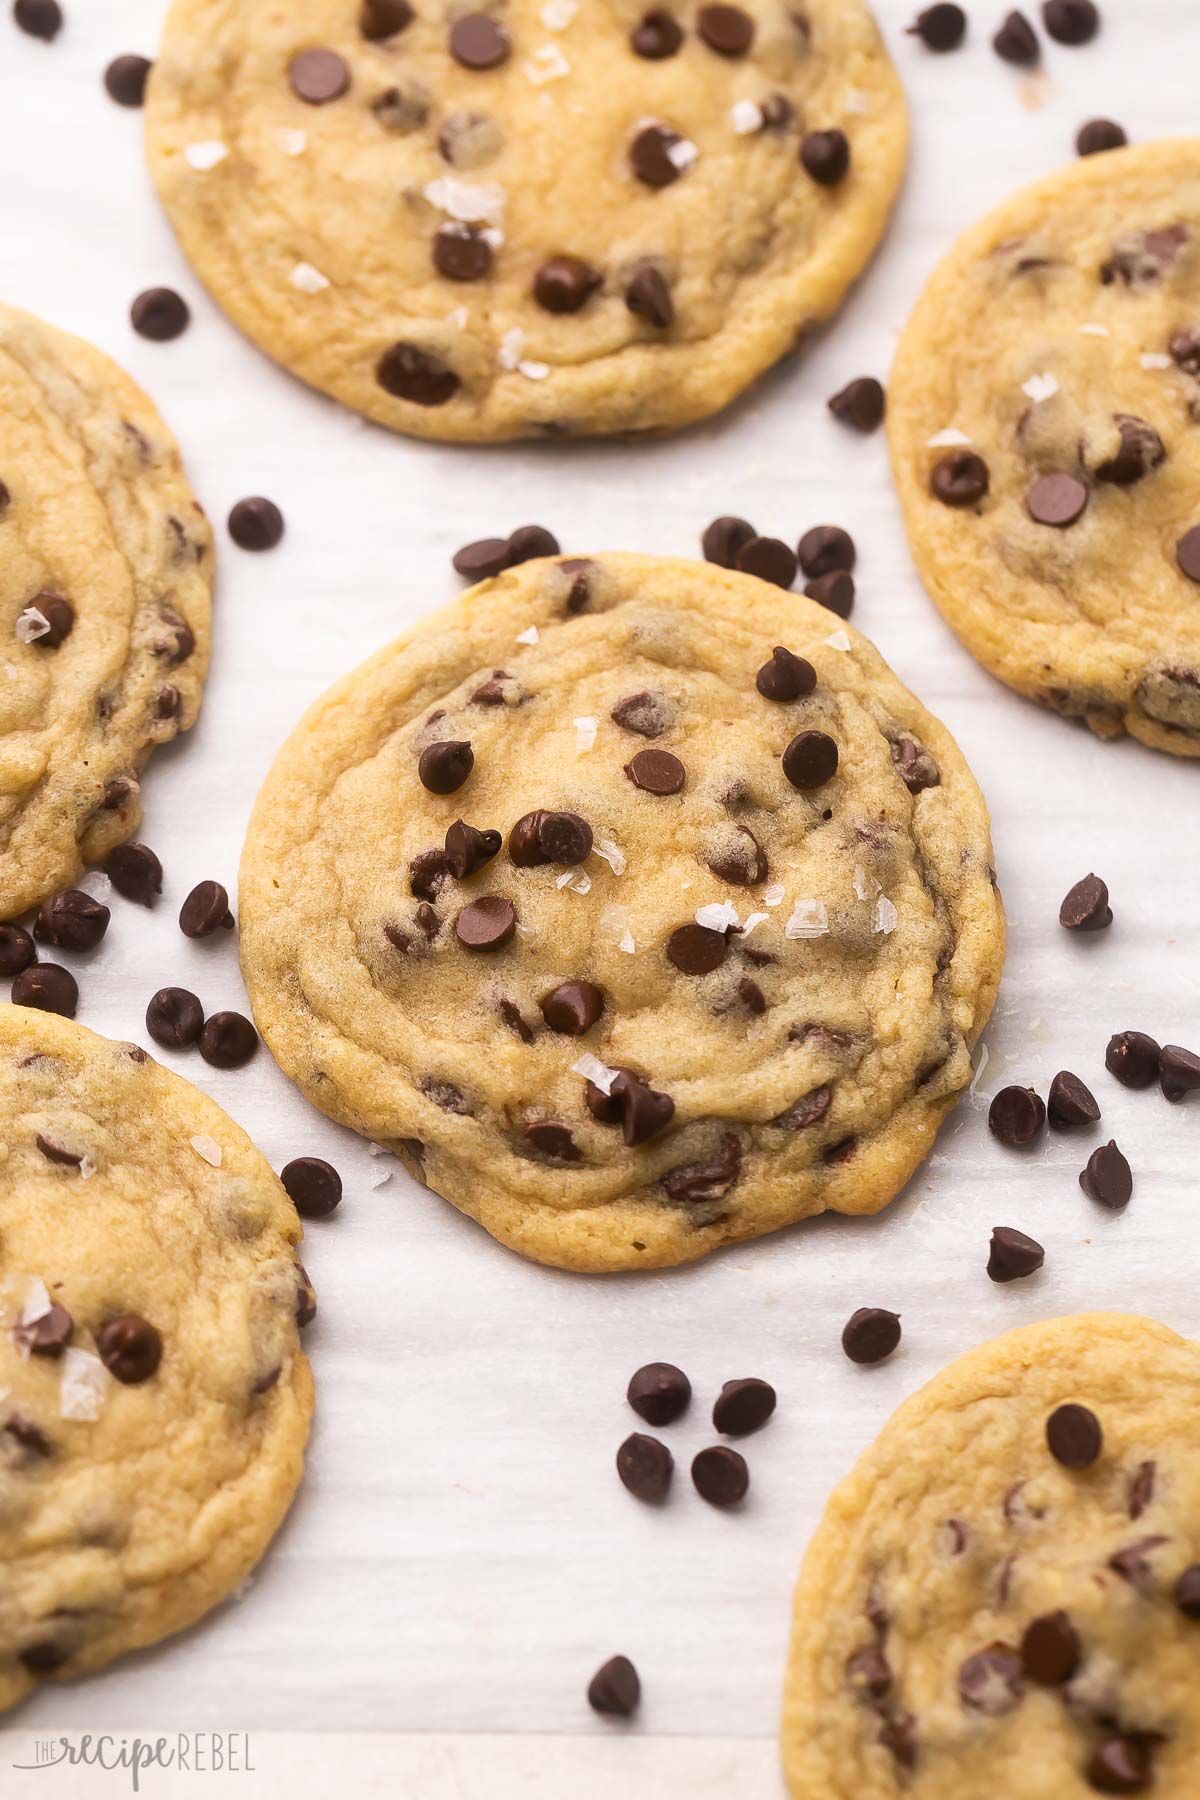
(461, 1555)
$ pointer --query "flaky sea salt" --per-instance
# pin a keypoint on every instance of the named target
(31, 625)
(87, 1168)
(753, 921)
(718, 915)
(838, 640)
(948, 439)
(856, 102)
(385, 1166)
(608, 851)
(773, 895)
(528, 636)
(471, 202)
(682, 154)
(1091, 330)
(625, 942)
(1154, 359)
(808, 920)
(203, 157)
(865, 886)
(1040, 387)
(511, 345)
(533, 371)
(585, 732)
(290, 141)
(207, 1148)
(308, 279)
(980, 1067)
(746, 117)
(556, 15)
(546, 64)
(885, 915)
(593, 1070)
(459, 317)
(84, 1385)
(36, 1303)
(582, 883)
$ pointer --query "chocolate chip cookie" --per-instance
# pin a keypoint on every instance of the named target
(632, 904)
(538, 217)
(154, 1400)
(1044, 416)
(106, 567)
(1003, 1599)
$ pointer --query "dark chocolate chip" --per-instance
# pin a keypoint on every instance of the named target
(720, 1476)
(1016, 41)
(49, 1335)
(306, 1299)
(409, 373)
(159, 314)
(899, 1738)
(1071, 21)
(643, 1110)
(649, 297)
(174, 1018)
(1132, 1561)
(551, 1141)
(461, 252)
(511, 1013)
(528, 542)
(1108, 1178)
(699, 1183)
(313, 1186)
(56, 1154)
(810, 760)
(71, 920)
(786, 676)
(565, 284)
(1050, 1649)
(834, 591)
(805, 1111)
(870, 1334)
(656, 772)
(256, 523)
(468, 849)
(478, 42)
(135, 872)
(228, 1040)
(1086, 907)
(1056, 499)
(615, 1689)
(1184, 347)
(1133, 1058)
(130, 1348)
(1141, 1489)
(742, 862)
(861, 402)
(940, 27)
(726, 29)
(486, 924)
(47, 988)
(573, 1007)
(1187, 1592)
(1187, 553)
(38, 18)
(825, 548)
(1119, 1765)
(1013, 1255)
(659, 1393)
(1140, 450)
(59, 615)
(549, 837)
(695, 950)
(646, 714)
(869, 1673)
(770, 559)
(31, 1437)
(914, 764)
(428, 874)
(1071, 1104)
(826, 156)
(1016, 1116)
(960, 478)
(645, 1466)
(657, 36)
(650, 158)
(205, 910)
(1178, 1071)
(1098, 135)
(1073, 1436)
(16, 950)
(990, 1681)
(724, 540)
(380, 19)
(443, 767)
(482, 559)
(743, 1406)
(318, 76)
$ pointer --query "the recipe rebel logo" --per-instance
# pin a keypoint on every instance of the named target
(186, 1752)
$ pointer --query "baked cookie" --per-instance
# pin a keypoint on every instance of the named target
(1003, 1600)
(1044, 416)
(538, 217)
(154, 1400)
(106, 567)
(635, 906)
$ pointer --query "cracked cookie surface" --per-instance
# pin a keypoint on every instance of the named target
(537, 218)
(154, 1400)
(1044, 418)
(1003, 1598)
(106, 568)
(634, 903)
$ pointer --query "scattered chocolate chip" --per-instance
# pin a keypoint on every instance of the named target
(740, 858)
(646, 714)
(914, 764)
(1108, 1178)
(703, 1182)
(478, 42)
(125, 79)
(642, 1111)
(834, 591)
(443, 767)
(205, 910)
(1141, 1489)
(805, 1111)
(824, 549)
(428, 874)
(770, 559)
(565, 284)
(228, 1040)
(71, 920)
(743, 1406)
(174, 1018)
(31, 1437)
(256, 523)
(726, 29)
(380, 19)
(461, 252)
(1071, 21)
(870, 1334)
(615, 1689)
(38, 18)
(657, 36)
(409, 373)
(1187, 553)
(869, 1673)
(645, 1466)
(573, 1007)
(649, 297)
(16, 950)
(1086, 907)
(1140, 450)
(826, 156)
(1013, 1255)
(468, 849)
(180, 641)
(786, 676)
(1184, 347)
(486, 924)
(650, 156)
(898, 1736)
(59, 615)
(130, 1348)
(1187, 1592)
(990, 1681)
(1178, 1071)
(1016, 1116)
(1119, 1765)
(960, 478)
(1071, 1104)
(549, 837)
(511, 1013)
(1016, 41)
(528, 542)
(720, 1476)
(313, 1186)
(695, 950)
(659, 1393)
(861, 402)
(1132, 1561)
(482, 559)
(318, 76)
(656, 772)
(306, 1299)
(135, 872)
(1098, 135)
(404, 110)
(47, 988)
(1050, 1649)
(810, 760)
(940, 27)
(1073, 1436)
(724, 540)
(49, 1335)
(56, 1154)
(551, 1141)
(1056, 499)
(1133, 1058)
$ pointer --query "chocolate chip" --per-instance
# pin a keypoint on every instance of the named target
(960, 478)
(31, 1437)
(256, 523)
(645, 1466)
(1016, 41)
(650, 158)
(615, 1689)
(47, 988)
(646, 714)
(1098, 135)
(228, 1040)
(486, 924)
(573, 1007)
(1178, 1071)
(869, 1673)
(59, 615)
(306, 1299)
(899, 1737)
(549, 837)
(1140, 450)
(1071, 21)
(467, 849)
(1108, 1178)
(179, 643)
(1071, 1104)
(1144, 256)
(723, 541)
(565, 284)
(695, 950)
(656, 772)
(174, 1018)
(1016, 1116)
(826, 156)
(409, 373)
(130, 1348)
(380, 19)
(805, 1111)
(770, 559)
(657, 36)
(313, 1186)
(703, 1182)
(990, 1681)
(642, 1110)
(451, 1099)
(71, 920)
(38, 18)
(870, 1334)
(648, 297)
(528, 542)
(1141, 1490)
(443, 767)
(1133, 1058)
(1132, 1561)
(135, 872)
(551, 1141)
(478, 42)
(824, 549)
(1187, 1592)
(786, 676)
(1120, 1765)
(659, 1393)
(318, 76)
(740, 859)
(205, 910)
(720, 1476)
(726, 29)
(482, 560)
(1013, 1255)
(810, 760)
(159, 314)
(1086, 907)
(428, 874)
(914, 764)
(125, 79)
(1187, 553)
(1050, 1649)
(16, 950)
(861, 402)
(1184, 347)
(940, 27)
(1073, 1436)
(743, 1406)
(834, 591)
(49, 1335)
